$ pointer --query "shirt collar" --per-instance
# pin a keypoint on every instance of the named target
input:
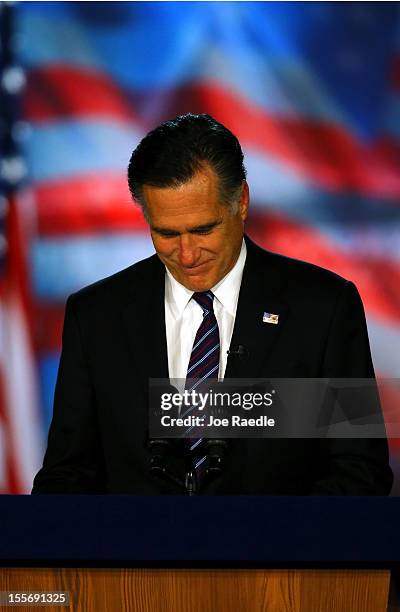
(226, 290)
(176, 295)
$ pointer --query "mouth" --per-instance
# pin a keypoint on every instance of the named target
(194, 270)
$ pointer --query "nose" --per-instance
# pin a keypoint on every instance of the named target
(189, 253)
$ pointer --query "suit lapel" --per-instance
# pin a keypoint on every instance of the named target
(144, 322)
(260, 293)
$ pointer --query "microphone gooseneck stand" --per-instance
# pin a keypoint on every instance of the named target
(161, 451)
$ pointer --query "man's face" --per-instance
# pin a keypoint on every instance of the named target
(194, 235)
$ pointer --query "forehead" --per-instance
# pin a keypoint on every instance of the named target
(198, 199)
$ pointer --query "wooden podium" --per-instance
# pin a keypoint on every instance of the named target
(143, 590)
(201, 554)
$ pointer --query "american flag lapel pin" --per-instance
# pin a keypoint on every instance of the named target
(268, 317)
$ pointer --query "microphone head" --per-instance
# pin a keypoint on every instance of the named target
(216, 448)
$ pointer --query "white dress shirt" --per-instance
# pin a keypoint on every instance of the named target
(183, 317)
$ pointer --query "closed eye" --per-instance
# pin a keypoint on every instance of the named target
(166, 233)
(202, 232)
(205, 229)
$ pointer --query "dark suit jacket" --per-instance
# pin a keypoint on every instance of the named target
(114, 340)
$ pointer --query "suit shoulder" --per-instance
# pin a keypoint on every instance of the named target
(118, 284)
(301, 276)
(298, 268)
(309, 271)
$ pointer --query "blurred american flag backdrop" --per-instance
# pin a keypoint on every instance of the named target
(312, 90)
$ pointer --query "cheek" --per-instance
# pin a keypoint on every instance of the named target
(163, 247)
(217, 243)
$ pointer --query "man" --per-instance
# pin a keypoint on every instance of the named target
(146, 321)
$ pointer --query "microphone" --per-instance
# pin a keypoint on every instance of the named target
(239, 351)
(191, 483)
(161, 451)
(216, 452)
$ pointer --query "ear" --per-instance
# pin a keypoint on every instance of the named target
(244, 201)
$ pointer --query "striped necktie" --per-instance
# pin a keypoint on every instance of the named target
(204, 358)
(203, 365)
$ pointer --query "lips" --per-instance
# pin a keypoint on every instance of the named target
(193, 270)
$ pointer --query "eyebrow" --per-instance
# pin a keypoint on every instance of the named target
(192, 230)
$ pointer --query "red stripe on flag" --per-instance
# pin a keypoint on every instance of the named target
(20, 394)
(49, 320)
(62, 91)
(87, 204)
(8, 478)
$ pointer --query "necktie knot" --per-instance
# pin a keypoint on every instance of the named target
(205, 300)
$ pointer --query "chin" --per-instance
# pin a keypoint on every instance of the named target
(196, 285)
